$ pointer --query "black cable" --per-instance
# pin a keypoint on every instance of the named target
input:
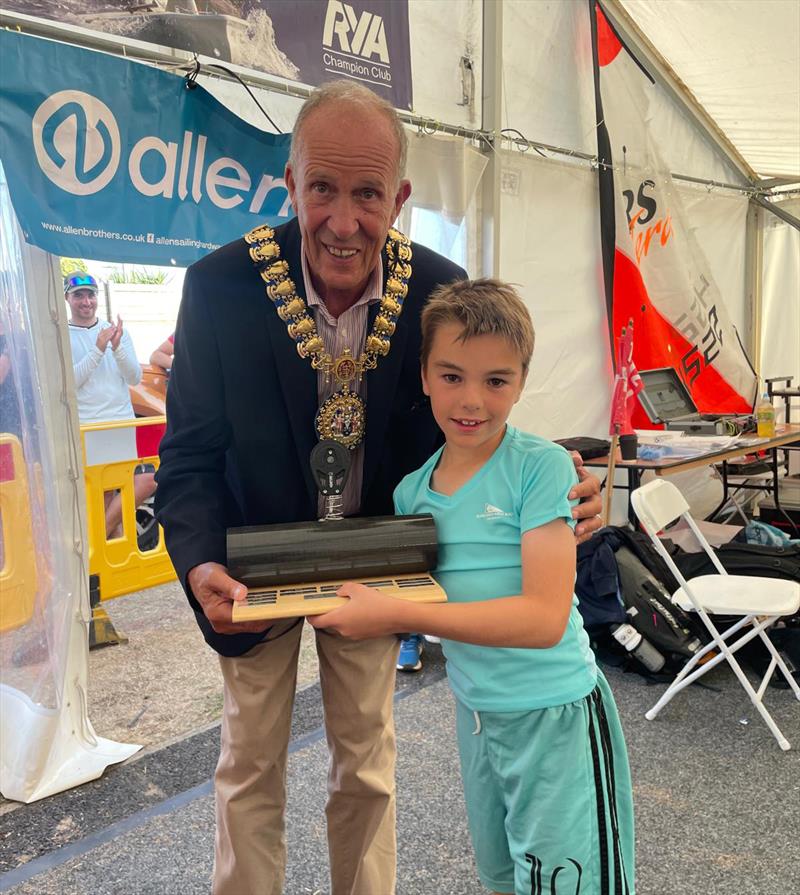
(191, 83)
(191, 78)
(521, 139)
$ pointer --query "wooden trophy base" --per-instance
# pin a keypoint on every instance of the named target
(289, 601)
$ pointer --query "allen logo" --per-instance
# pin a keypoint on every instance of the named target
(76, 141)
(363, 35)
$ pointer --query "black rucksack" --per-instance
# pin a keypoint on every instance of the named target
(640, 544)
(764, 561)
(621, 580)
(587, 447)
(649, 607)
(744, 559)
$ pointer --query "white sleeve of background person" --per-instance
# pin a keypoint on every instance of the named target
(84, 367)
(103, 391)
(125, 356)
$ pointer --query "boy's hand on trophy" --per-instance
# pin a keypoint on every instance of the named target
(368, 613)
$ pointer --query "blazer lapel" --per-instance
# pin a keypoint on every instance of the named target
(297, 378)
(381, 388)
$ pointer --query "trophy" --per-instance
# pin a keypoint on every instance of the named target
(295, 569)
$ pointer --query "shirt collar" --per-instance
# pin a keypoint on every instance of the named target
(371, 294)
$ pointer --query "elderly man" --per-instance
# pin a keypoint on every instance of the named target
(242, 405)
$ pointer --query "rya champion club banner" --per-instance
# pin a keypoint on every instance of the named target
(302, 40)
(118, 161)
(655, 272)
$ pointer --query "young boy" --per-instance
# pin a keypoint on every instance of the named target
(546, 778)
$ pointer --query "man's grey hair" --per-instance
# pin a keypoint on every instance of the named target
(354, 94)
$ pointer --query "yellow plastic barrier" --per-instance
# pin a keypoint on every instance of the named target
(111, 453)
(19, 575)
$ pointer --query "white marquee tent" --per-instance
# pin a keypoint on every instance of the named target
(503, 162)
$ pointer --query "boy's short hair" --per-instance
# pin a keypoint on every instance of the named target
(482, 307)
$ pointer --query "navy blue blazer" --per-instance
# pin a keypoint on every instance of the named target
(241, 405)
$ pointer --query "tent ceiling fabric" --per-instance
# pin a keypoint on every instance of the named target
(741, 61)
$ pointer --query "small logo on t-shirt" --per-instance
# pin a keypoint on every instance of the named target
(491, 512)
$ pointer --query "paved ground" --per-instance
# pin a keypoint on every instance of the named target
(718, 804)
(134, 688)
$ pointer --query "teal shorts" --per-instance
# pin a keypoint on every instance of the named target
(549, 797)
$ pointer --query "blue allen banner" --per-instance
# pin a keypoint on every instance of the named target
(118, 161)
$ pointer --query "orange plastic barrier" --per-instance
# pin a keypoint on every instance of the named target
(111, 453)
(19, 575)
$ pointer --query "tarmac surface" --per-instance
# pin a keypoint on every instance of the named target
(717, 802)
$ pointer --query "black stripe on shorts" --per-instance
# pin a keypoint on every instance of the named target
(603, 765)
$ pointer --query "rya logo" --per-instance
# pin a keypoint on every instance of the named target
(360, 35)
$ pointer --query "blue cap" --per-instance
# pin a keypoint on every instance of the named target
(77, 281)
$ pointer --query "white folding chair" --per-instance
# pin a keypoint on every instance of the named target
(759, 601)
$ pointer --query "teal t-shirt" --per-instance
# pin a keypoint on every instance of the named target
(524, 484)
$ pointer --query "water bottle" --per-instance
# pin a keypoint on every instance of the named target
(765, 417)
(637, 646)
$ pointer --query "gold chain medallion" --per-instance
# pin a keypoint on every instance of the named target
(343, 416)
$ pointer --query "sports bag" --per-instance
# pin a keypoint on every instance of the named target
(587, 447)
(744, 559)
(650, 610)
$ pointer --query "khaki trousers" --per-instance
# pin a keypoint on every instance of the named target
(357, 682)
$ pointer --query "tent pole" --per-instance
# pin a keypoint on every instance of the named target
(772, 182)
(777, 211)
(491, 123)
(179, 60)
(753, 271)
